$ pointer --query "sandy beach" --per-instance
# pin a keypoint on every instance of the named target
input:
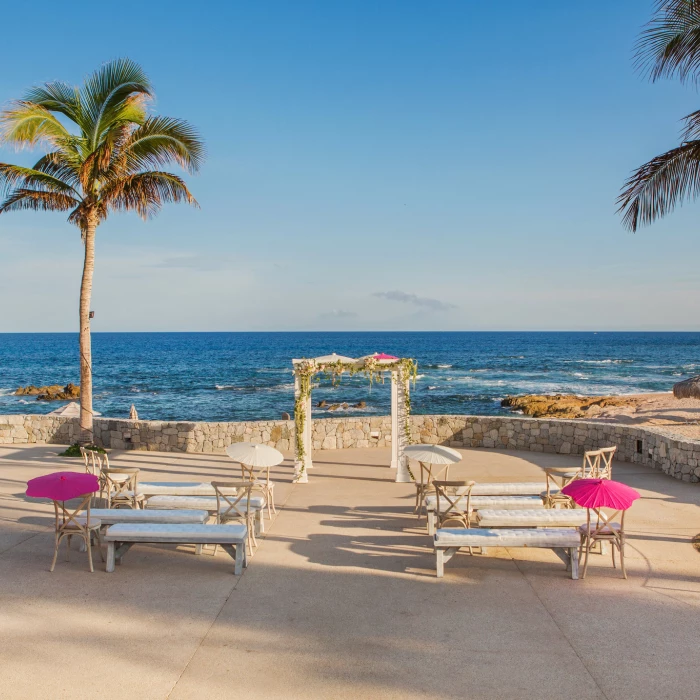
(658, 410)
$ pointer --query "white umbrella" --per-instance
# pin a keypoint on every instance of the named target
(254, 455)
(432, 454)
(72, 410)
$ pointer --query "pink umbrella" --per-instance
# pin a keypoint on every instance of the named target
(62, 486)
(384, 356)
(601, 493)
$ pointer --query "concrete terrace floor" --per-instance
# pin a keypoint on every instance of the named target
(341, 600)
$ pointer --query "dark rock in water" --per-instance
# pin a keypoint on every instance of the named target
(334, 407)
(322, 404)
(286, 416)
(361, 404)
(53, 392)
(345, 405)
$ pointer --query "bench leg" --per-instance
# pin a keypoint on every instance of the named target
(431, 522)
(440, 563)
(198, 549)
(259, 526)
(238, 553)
(110, 557)
(573, 562)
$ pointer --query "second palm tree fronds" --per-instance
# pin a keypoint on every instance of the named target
(668, 46)
(104, 153)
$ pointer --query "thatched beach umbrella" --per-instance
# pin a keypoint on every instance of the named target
(132, 413)
(71, 410)
(688, 388)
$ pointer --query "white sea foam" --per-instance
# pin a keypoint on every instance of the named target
(599, 362)
(444, 366)
(432, 388)
(420, 376)
(7, 392)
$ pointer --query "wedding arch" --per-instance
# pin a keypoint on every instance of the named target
(375, 366)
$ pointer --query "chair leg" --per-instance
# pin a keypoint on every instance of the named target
(89, 551)
(612, 549)
(99, 544)
(55, 552)
(622, 557)
(68, 539)
(272, 500)
(585, 561)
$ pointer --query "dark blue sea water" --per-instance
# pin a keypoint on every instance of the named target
(237, 376)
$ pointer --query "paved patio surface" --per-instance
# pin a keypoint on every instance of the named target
(341, 600)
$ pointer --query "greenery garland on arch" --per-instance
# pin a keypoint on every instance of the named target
(406, 369)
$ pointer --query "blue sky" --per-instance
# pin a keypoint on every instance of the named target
(372, 165)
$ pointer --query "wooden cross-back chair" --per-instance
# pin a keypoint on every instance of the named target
(454, 503)
(121, 486)
(602, 530)
(70, 523)
(604, 466)
(424, 485)
(261, 479)
(236, 507)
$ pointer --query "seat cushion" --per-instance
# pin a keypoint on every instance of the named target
(606, 529)
(111, 516)
(198, 502)
(478, 502)
(532, 517)
(176, 533)
(179, 488)
(507, 537)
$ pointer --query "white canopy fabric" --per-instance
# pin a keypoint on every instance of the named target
(432, 454)
(254, 455)
(72, 410)
(334, 358)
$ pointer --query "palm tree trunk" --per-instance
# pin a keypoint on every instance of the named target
(86, 434)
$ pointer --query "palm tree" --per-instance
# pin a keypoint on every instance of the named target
(105, 154)
(668, 46)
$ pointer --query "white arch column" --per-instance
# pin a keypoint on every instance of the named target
(302, 464)
(399, 390)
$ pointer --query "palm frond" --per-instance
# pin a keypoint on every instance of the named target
(65, 166)
(163, 140)
(145, 193)
(670, 42)
(26, 124)
(37, 200)
(658, 186)
(114, 93)
(57, 97)
(15, 176)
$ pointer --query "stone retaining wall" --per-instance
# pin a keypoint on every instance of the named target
(674, 455)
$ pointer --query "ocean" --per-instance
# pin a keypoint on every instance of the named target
(247, 376)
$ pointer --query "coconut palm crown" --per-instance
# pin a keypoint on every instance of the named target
(669, 46)
(105, 153)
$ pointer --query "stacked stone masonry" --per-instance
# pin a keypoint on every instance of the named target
(676, 456)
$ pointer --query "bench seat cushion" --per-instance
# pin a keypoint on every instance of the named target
(111, 516)
(207, 503)
(507, 537)
(478, 502)
(508, 488)
(178, 488)
(608, 528)
(177, 533)
(531, 517)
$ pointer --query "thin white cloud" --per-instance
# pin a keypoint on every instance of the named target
(415, 300)
(337, 314)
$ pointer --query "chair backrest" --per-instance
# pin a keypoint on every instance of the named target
(449, 494)
(232, 506)
(90, 460)
(68, 519)
(605, 463)
(591, 463)
(430, 472)
(118, 482)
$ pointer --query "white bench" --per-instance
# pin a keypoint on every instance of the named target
(179, 488)
(478, 503)
(208, 503)
(532, 517)
(232, 538)
(564, 541)
(112, 516)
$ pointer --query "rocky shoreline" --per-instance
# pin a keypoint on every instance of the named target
(51, 392)
(677, 416)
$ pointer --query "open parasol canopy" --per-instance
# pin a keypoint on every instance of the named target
(62, 486)
(432, 454)
(72, 410)
(601, 493)
(254, 455)
(688, 388)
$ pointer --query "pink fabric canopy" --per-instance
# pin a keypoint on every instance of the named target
(601, 493)
(62, 486)
(384, 356)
